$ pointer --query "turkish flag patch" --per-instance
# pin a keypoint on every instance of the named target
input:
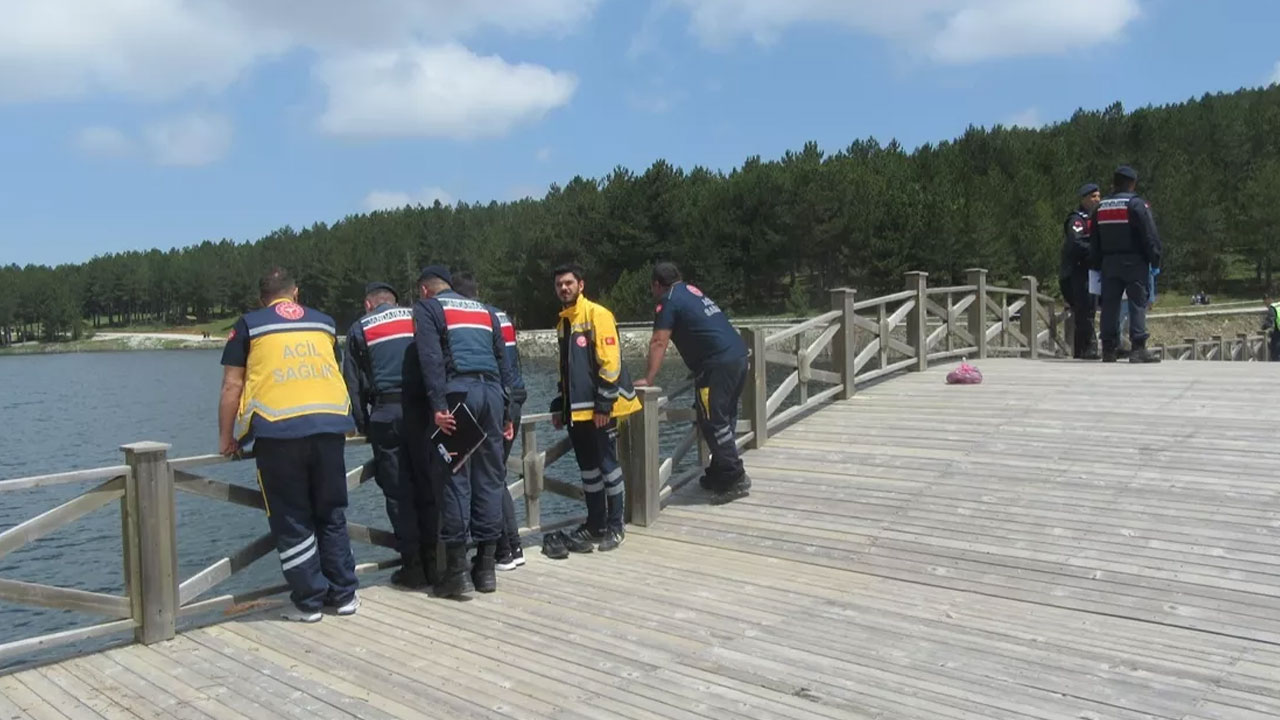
(231, 335)
(611, 341)
(657, 310)
(1078, 226)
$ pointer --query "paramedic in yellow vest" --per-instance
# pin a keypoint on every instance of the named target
(1271, 324)
(595, 390)
(283, 396)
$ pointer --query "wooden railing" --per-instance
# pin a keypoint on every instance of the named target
(1243, 347)
(822, 359)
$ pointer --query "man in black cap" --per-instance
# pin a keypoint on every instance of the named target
(1073, 274)
(373, 367)
(462, 359)
(1125, 246)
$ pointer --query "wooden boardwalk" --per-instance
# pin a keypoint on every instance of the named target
(1065, 541)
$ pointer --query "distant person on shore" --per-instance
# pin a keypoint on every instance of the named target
(510, 554)
(1073, 272)
(716, 354)
(462, 359)
(1125, 246)
(373, 367)
(282, 391)
(1271, 325)
(595, 391)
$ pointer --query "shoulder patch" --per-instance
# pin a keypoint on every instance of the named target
(611, 340)
(231, 335)
(658, 310)
(582, 341)
(289, 310)
(693, 289)
(1077, 225)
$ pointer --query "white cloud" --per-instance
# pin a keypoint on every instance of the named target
(189, 140)
(543, 154)
(104, 142)
(162, 49)
(1028, 118)
(441, 91)
(394, 199)
(1275, 74)
(949, 31)
(1010, 28)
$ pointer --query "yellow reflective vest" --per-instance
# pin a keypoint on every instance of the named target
(592, 378)
(293, 387)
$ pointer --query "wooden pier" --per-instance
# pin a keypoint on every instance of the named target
(1066, 540)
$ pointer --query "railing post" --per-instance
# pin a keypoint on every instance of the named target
(1266, 348)
(755, 398)
(978, 310)
(151, 546)
(638, 448)
(531, 460)
(844, 348)
(1195, 348)
(1244, 347)
(917, 320)
(1222, 347)
(1162, 351)
(1031, 316)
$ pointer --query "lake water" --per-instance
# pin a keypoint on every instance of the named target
(68, 412)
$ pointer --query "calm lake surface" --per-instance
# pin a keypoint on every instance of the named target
(74, 411)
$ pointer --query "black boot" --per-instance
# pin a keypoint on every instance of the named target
(739, 489)
(483, 566)
(1141, 354)
(456, 582)
(1108, 355)
(411, 574)
(430, 563)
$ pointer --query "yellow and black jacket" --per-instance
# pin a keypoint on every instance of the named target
(592, 378)
(292, 387)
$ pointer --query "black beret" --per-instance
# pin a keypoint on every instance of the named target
(374, 287)
(438, 271)
(1087, 189)
(1126, 171)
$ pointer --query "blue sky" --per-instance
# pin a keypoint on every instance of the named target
(131, 124)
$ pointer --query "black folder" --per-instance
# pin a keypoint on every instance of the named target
(466, 437)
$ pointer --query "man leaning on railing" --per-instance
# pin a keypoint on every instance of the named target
(282, 391)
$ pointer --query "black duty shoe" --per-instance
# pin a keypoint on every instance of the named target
(613, 537)
(1143, 355)
(705, 483)
(1108, 356)
(411, 574)
(553, 546)
(739, 489)
(1090, 355)
(456, 582)
(482, 569)
(582, 540)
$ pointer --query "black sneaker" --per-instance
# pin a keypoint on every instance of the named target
(582, 540)
(505, 562)
(739, 489)
(612, 539)
(517, 554)
(553, 546)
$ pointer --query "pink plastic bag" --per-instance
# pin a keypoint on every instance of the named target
(966, 374)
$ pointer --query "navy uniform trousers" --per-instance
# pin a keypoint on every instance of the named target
(393, 471)
(597, 453)
(304, 486)
(471, 499)
(510, 528)
(1123, 274)
(717, 389)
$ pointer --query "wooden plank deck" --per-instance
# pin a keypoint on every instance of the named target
(1065, 541)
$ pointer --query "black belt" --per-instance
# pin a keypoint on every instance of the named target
(387, 397)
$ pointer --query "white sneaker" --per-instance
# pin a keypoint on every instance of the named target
(350, 607)
(293, 614)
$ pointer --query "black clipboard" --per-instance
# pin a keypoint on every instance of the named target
(466, 438)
